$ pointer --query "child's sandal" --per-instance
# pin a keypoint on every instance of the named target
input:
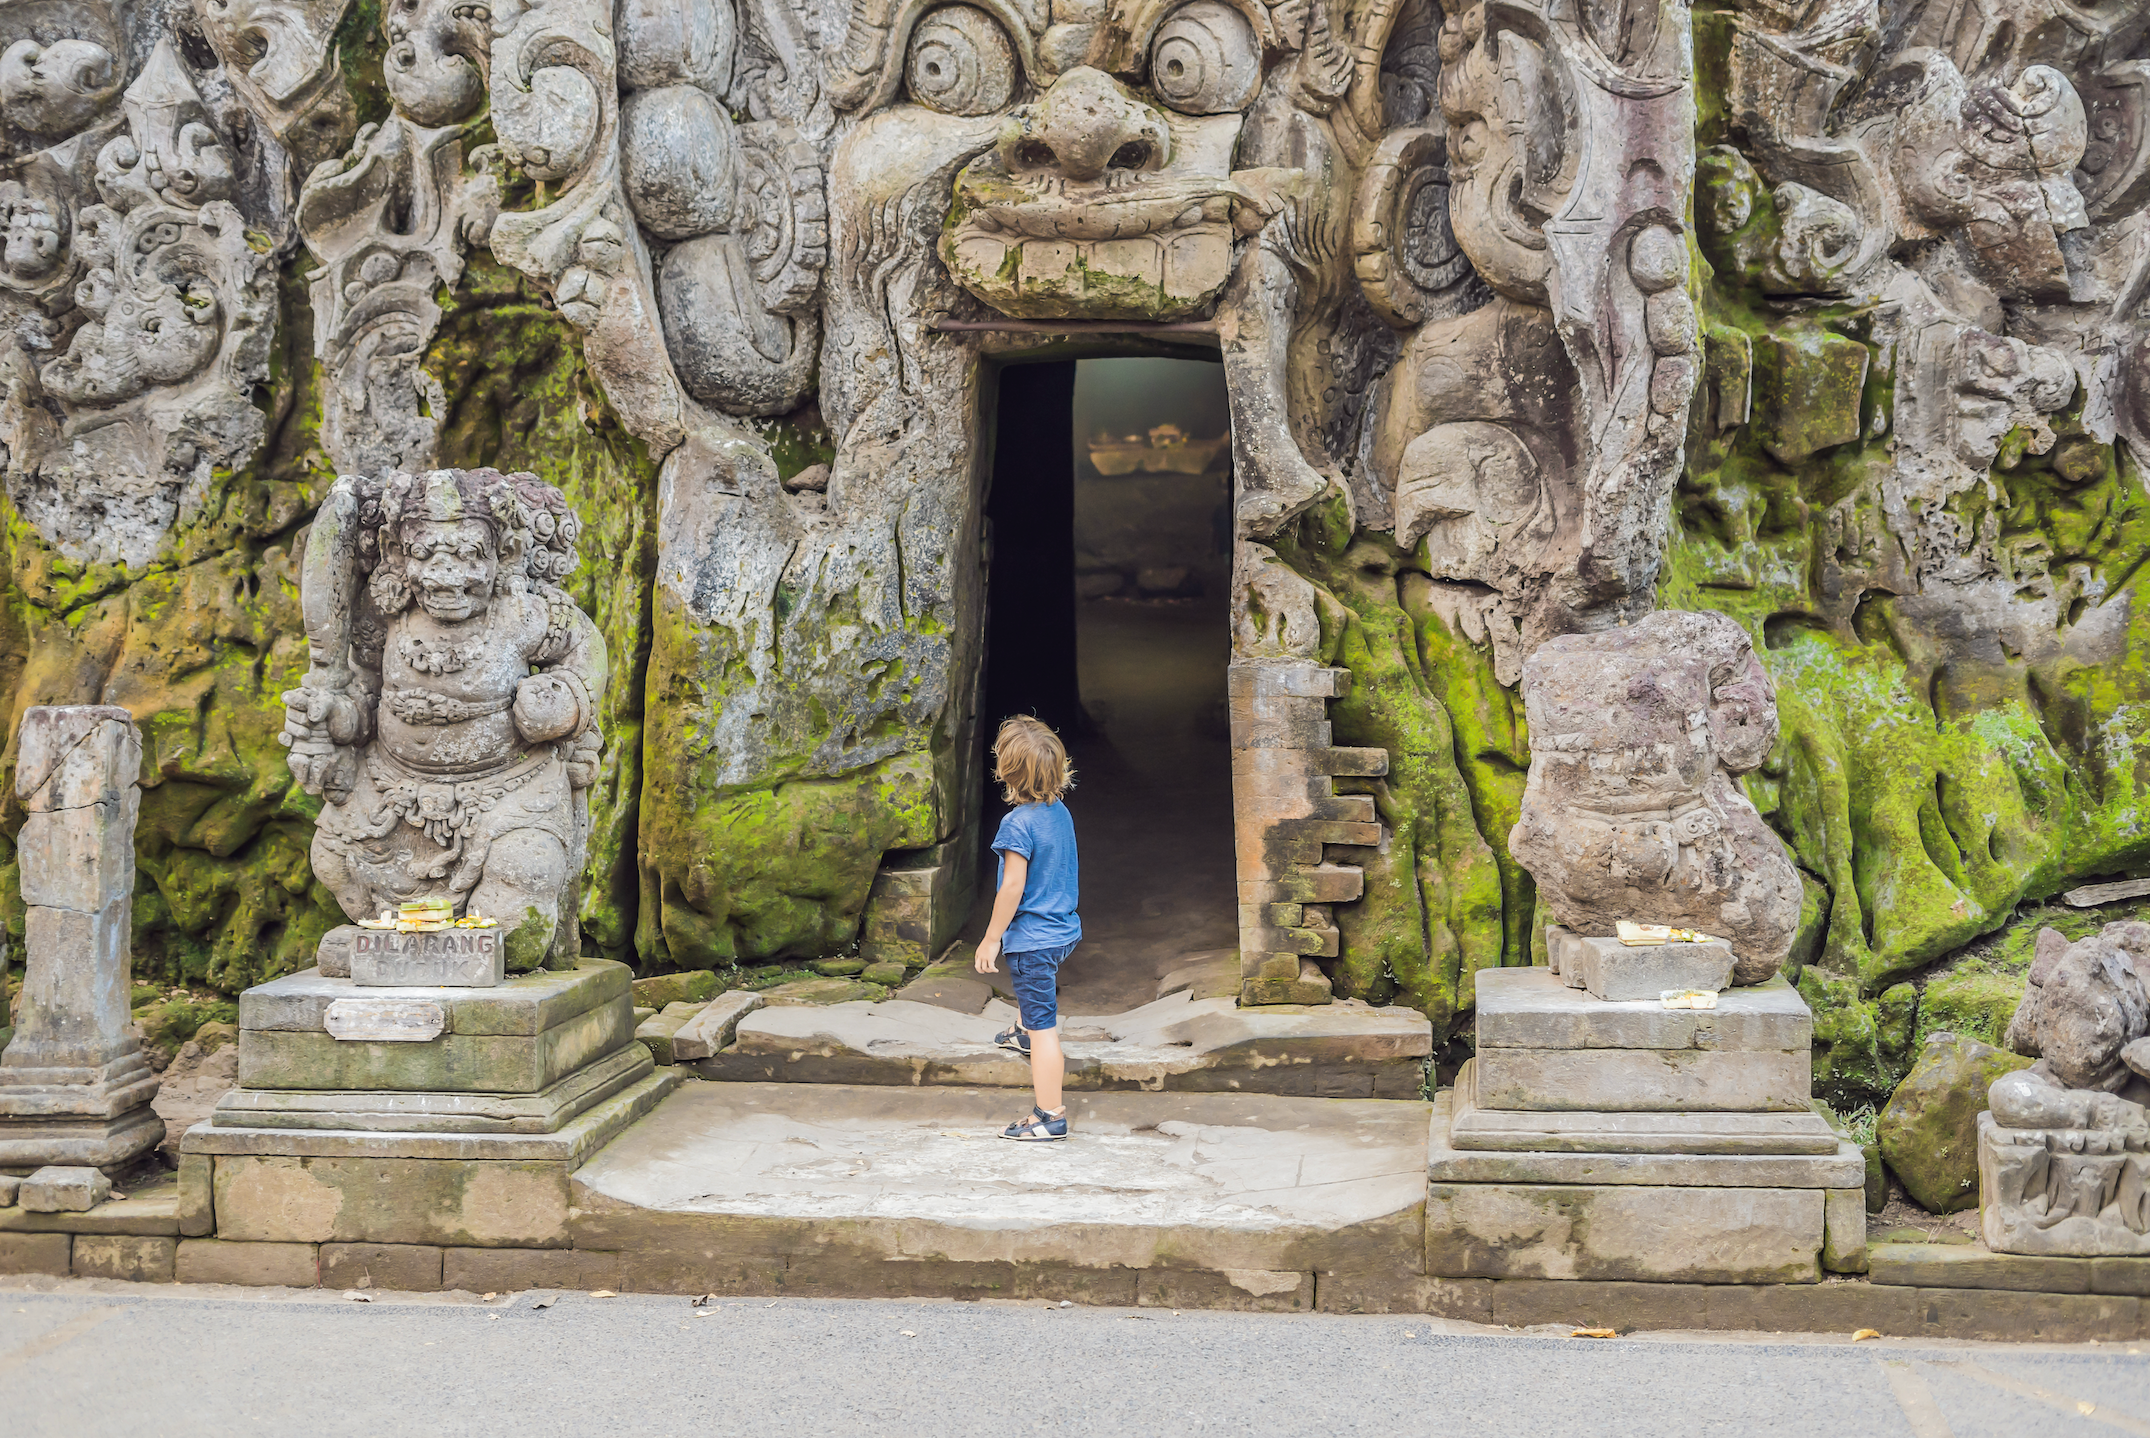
(1040, 1127)
(1014, 1040)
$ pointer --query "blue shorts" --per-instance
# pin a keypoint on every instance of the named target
(1036, 974)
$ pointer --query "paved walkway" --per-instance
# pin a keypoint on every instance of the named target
(84, 1358)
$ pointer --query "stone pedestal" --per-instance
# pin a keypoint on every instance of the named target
(74, 1086)
(1624, 1140)
(2063, 1192)
(1620, 972)
(372, 1114)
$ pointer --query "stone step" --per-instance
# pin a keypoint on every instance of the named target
(1213, 1199)
(1596, 1131)
(1176, 1044)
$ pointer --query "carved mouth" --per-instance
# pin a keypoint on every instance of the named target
(1045, 247)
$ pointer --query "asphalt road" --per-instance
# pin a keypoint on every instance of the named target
(82, 1358)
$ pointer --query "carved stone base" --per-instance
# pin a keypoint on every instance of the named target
(370, 1111)
(107, 1090)
(83, 1140)
(2063, 1192)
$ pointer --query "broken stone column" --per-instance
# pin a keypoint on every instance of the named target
(75, 1087)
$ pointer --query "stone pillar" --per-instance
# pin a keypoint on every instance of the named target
(74, 1085)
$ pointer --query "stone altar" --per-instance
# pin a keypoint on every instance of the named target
(75, 1087)
(2064, 1147)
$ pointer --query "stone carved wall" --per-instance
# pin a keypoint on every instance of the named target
(1534, 318)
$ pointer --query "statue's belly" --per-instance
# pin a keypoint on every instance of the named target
(467, 747)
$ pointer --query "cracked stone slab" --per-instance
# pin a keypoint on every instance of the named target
(1253, 1183)
(1341, 1050)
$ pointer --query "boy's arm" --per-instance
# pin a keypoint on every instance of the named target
(1014, 869)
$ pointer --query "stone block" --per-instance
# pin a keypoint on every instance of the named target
(1529, 1008)
(2012, 1317)
(1965, 1265)
(512, 1270)
(452, 1063)
(1448, 1164)
(889, 972)
(714, 1026)
(400, 1267)
(1844, 1229)
(1645, 1080)
(197, 1202)
(1928, 1130)
(74, 990)
(150, 1211)
(131, 1257)
(64, 1190)
(2129, 1276)
(1525, 1131)
(372, 1111)
(35, 1253)
(332, 956)
(1612, 971)
(1833, 1306)
(1383, 1289)
(1807, 389)
(450, 958)
(1253, 1290)
(655, 1032)
(75, 754)
(82, 1140)
(2023, 1174)
(476, 1203)
(10, 1185)
(79, 859)
(525, 1004)
(1630, 1232)
(1625, 1306)
(218, 1260)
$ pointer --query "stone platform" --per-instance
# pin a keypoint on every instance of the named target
(1175, 1044)
(1601, 1140)
(1185, 1199)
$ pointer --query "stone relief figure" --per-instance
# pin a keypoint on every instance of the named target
(2063, 1166)
(1633, 809)
(450, 713)
(389, 223)
(1528, 444)
(129, 266)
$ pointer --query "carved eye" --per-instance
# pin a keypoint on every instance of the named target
(1205, 60)
(961, 62)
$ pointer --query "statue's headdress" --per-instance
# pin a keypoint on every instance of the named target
(532, 527)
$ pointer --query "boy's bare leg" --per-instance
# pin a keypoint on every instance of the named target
(1048, 1070)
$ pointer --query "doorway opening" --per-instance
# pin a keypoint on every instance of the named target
(1109, 618)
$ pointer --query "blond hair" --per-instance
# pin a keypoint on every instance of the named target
(1030, 762)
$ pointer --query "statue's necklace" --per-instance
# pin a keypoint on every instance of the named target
(441, 658)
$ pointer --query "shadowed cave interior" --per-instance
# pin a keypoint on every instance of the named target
(1108, 617)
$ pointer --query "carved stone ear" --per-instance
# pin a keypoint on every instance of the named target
(1401, 245)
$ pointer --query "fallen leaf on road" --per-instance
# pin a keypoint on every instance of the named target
(2086, 1409)
(709, 1313)
(952, 1133)
(492, 1318)
(704, 1301)
(770, 1304)
(542, 1303)
(603, 1293)
(1410, 1335)
(1593, 1333)
(907, 1333)
(356, 1297)
(1865, 1333)
(489, 1298)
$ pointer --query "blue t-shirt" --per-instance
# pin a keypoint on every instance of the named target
(1045, 835)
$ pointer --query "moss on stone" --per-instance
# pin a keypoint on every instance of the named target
(1432, 914)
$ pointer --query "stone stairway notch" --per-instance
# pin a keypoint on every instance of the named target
(1285, 811)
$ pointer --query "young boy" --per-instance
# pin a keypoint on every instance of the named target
(1034, 919)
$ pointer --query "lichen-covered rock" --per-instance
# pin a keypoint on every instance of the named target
(1970, 1004)
(1632, 810)
(1862, 1047)
(1929, 1130)
(695, 986)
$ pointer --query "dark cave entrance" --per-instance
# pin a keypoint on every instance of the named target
(1108, 616)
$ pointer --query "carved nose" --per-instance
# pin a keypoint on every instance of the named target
(1088, 124)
